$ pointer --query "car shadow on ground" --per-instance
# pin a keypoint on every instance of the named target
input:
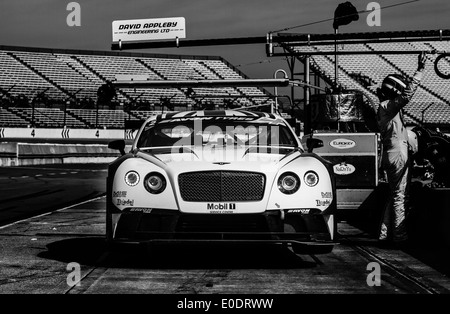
(93, 251)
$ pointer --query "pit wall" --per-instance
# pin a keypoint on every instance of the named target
(23, 146)
(66, 133)
(24, 154)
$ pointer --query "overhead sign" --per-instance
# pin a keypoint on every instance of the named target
(149, 29)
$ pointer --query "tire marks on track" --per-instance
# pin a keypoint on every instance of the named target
(197, 284)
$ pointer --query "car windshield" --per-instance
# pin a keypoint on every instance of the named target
(219, 132)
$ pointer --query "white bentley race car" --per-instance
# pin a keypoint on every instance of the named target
(226, 176)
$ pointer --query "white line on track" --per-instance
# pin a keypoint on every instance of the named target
(55, 211)
(73, 170)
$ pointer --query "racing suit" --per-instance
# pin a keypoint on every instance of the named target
(396, 161)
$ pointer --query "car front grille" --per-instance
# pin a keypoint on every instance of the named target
(221, 186)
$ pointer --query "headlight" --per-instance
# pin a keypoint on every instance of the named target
(311, 178)
(288, 183)
(155, 182)
(132, 178)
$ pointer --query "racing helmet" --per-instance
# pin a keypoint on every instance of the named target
(393, 85)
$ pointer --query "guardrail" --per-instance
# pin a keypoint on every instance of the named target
(30, 146)
(65, 133)
(22, 154)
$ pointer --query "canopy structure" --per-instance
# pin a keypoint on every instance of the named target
(273, 40)
(289, 40)
(308, 48)
(200, 83)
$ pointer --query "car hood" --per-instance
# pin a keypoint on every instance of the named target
(220, 158)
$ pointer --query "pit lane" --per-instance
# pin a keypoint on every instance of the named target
(36, 252)
(32, 190)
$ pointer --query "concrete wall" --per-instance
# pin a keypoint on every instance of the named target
(34, 133)
(30, 146)
(20, 154)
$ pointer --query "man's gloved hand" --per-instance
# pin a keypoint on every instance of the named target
(422, 61)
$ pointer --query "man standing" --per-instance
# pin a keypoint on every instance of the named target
(395, 92)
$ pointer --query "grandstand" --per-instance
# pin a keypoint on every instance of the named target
(54, 88)
(430, 105)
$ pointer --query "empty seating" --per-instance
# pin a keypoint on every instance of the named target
(47, 117)
(10, 119)
(51, 80)
(373, 68)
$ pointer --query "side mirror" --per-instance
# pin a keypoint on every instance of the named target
(118, 145)
(312, 142)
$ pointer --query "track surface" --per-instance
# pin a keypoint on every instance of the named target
(37, 252)
(29, 191)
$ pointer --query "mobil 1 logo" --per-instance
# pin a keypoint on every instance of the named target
(221, 206)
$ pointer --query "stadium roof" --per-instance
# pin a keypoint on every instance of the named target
(107, 53)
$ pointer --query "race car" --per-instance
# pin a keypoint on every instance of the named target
(221, 176)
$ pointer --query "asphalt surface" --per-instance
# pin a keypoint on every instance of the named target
(41, 254)
(54, 215)
(30, 191)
